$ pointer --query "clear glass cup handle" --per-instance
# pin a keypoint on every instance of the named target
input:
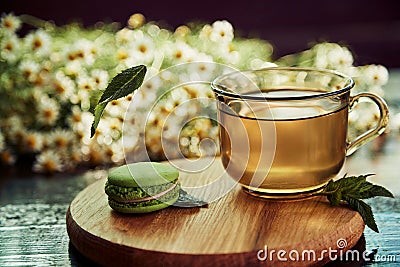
(364, 138)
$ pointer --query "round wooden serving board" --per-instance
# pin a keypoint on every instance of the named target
(234, 230)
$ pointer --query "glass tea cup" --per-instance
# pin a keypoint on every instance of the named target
(284, 131)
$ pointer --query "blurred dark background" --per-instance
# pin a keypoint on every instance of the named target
(370, 28)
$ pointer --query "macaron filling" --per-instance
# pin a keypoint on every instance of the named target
(169, 197)
(148, 198)
(124, 193)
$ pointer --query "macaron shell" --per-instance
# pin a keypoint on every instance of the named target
(142, 174)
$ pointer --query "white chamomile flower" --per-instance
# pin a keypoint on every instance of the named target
(358, 78)
(7, 157)
(340, 58)
(100, 78)
(228, 54)
(30, 69)
(13, 124)
(85, 82)
(205, 32)
(222, 32)
(39, 42)
(171, 132)
(60, 139)
(320, 56)
(152, 71)
(87, 119)
(143, 98)
(167, 76)
(75, 156)
(375, 75)
(69, 54)
(95, 155)
(115, 152)
(123, 54)
(131, 137)
(48, 111)
(107, 130)
(142, 48)
(82, 97)
(124, 36)
(114, 109)
(10, 23)
(202, 67)
(181, 52)
(75, 117)
(48, 161)
(152, 140)
(154, 117)
(200, 91)
(63, 86)
(17, 135)
(179, 95)
(10, 48)
(80, 122)
(152, 81)
(83, 50)
(73, 68)
(365, 120)
(124, 104)
(32, 142)
(115, 125)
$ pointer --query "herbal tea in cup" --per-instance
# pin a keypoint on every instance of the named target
(283, 131)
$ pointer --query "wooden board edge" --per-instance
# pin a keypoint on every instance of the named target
(107, 253)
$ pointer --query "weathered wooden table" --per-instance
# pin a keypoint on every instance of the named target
(33, 207)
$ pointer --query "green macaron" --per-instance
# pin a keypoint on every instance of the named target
(142, 187)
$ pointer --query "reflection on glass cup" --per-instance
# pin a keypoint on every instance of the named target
(284, 130)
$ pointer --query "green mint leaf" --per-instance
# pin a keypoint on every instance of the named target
(351, 183)
(354, 185)
(98, 111)
(94, 98)
(124, 83)
(331, 186)
(365, 211)
(374, 191)
(352, 189)
(121, 85)
(335, 198)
